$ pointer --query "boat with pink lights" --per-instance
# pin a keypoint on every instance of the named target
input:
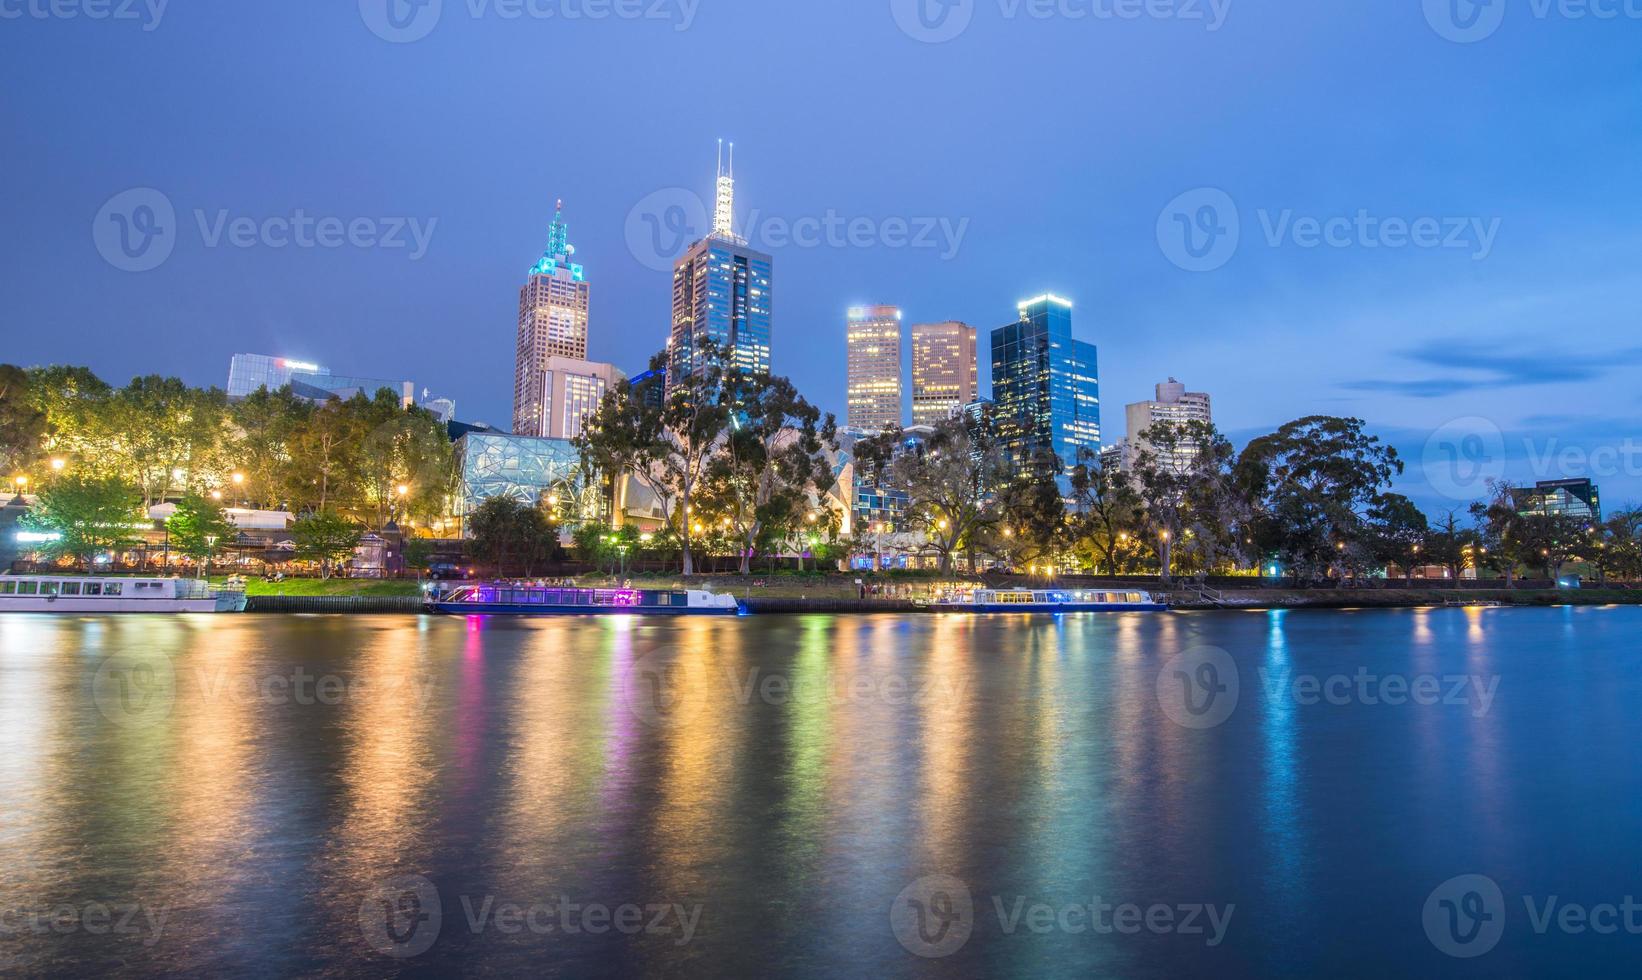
(509, 599)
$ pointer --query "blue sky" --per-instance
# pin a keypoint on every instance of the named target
(1498, 309)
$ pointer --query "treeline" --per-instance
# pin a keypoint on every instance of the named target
(367, 459)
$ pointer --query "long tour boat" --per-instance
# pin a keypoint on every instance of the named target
(1049, 601)
(506, 599)
(76, 594)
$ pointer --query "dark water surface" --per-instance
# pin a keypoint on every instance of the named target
(1130, 795)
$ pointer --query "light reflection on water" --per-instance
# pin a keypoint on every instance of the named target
(255, 778)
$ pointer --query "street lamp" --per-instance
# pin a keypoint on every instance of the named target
(210, 552)
(58, 464)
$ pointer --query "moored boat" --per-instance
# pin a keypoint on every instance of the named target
(506, 599)
(1049, 601)
(76, 594)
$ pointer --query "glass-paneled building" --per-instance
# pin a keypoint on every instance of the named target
(524, 468)
(1045, 384)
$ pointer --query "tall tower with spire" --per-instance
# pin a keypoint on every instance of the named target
(553, 308)
(724, 203)
(723, 291)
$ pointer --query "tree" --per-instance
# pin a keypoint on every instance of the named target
(326, 537)
(1312, 483)
(22, 424)
(163, 434)
(667, 449)
(1453, 547)
(947, 479)
(1032, 513)
(1190, 501)
(1106, 509)
(772, 464)
(1549, 541)
(197, 526)
(324, 454)
(265, 425)
(89, 515)
(71, 399)
(1397, 532)
(507, 533)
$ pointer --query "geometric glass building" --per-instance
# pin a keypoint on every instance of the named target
(553, 305)
(874, 368)
(723, 293)
(1045, 384)
(527, 469)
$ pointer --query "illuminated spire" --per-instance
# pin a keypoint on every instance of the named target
(724, 210)
(559, 249)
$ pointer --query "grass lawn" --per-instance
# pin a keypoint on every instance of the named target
(333, 587)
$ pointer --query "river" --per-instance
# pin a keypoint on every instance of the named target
(1222, 793)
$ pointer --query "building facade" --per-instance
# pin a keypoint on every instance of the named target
(1578, 499)
(553, 308)
(570, 390)
(1173, 404)
(1045, 385)
(723, 293)
(944, 375)
(248, 373)
(874, 354)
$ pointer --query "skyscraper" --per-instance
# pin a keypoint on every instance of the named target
(1173, 404)
(943, 370)
(1045, 384)
(552, 323)
(722, 293)
(874, 346)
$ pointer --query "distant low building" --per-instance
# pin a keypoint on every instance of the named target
(1577, 498)
(248, 373)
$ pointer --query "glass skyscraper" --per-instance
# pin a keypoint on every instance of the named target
(1045, 384)
(722, 292)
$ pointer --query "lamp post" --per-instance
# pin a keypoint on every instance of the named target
(210, 551)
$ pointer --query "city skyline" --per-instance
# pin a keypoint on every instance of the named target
(1268, 331)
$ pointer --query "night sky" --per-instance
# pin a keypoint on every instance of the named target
(1490, 327)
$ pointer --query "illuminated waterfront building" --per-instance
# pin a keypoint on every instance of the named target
(553, 306)
(1045, 384)
(943, 370)
(874, 374)
(722, 293)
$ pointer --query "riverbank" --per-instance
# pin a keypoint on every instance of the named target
(1254, 600)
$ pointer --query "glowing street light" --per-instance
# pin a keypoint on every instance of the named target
(238, 478)
(58, 464)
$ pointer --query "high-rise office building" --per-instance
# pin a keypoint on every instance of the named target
(571, 390)
(1045, 384)
(1173, 404)
(874, 340)
(553, 308)
(722, 293)
(943, 370)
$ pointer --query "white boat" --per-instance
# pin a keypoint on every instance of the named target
(77, 594)
(1049, 601)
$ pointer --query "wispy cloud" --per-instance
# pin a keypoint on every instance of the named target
(1495, 369)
